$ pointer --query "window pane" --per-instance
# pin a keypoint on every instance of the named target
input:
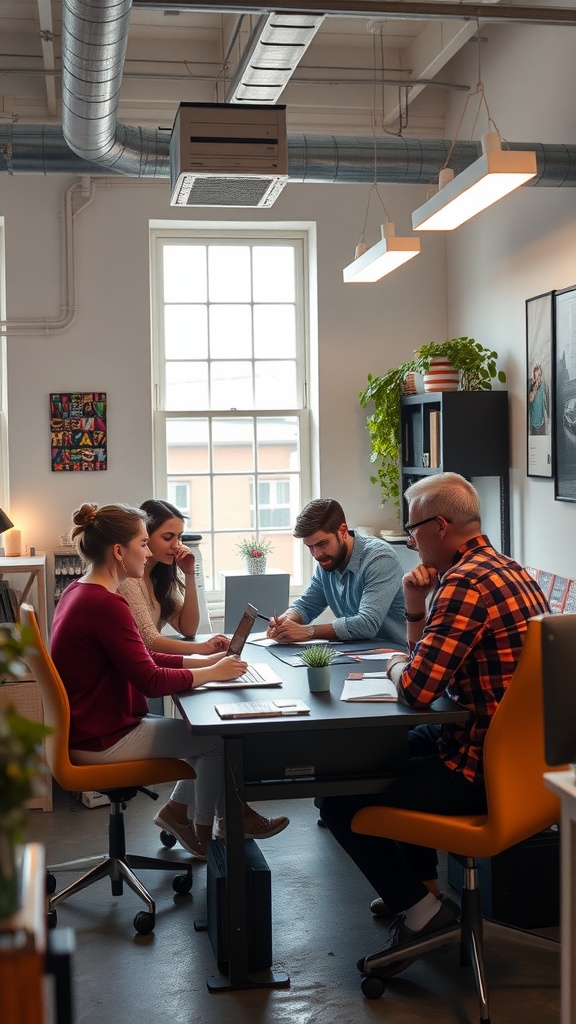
(231, 385)
(185, 332)
(273, 271)
(200, 504)
(187, 446)
(278, 443)
(179, 495)
(233, 441)
(229, 270)
(232, 503)
(187, 385)
(230, 332)
(275, 329)
(275, 385)
(185, 273)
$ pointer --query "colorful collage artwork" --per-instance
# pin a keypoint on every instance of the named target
(78, 431)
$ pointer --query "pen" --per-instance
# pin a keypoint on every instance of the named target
(265, 617)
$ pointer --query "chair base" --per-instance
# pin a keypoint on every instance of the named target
(119, 867)
(468, 933)
(119, 870)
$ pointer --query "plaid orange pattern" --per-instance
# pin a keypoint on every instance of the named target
(471, 645)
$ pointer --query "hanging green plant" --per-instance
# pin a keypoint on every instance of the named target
(477, 366)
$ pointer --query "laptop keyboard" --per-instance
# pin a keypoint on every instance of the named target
(251, 675)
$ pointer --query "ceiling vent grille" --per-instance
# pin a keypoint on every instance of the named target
(222, 154)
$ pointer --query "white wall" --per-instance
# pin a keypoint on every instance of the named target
(362, 329)
(523, 246)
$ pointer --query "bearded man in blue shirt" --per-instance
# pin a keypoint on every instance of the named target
(359, 578)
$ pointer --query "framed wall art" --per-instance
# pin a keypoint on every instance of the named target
(539, 402)
(565, 394)
(78, 431)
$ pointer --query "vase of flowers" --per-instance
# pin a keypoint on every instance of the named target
(20, 764)
(254, 552)
(318, 660)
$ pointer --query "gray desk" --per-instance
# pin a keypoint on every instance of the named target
(339, 748)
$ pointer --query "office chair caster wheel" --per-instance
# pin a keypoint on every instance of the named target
(182, 883)
(372, 986)
(50, 883)
(144, 923)
(51, 919)
(167, 839)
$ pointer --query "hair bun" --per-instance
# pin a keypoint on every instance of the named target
(85, 514)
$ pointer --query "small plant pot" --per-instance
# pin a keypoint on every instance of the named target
(319, 679)
(441, 376)
(255, 566)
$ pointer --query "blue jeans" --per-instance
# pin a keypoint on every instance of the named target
(398, 870)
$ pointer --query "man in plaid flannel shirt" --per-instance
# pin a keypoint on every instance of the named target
(467, 609)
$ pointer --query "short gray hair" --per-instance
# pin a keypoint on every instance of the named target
(446, 494)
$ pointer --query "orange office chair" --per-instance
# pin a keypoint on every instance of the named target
(519, 806)
(120, 782)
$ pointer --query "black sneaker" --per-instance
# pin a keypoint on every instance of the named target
(444, 920)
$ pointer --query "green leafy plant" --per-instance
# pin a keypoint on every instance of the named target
(253, 547)
(318, 656)
(478, 368)
(20, 739)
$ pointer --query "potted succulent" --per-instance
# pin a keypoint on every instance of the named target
(318, 659)
(20, 764)
(477, 368)
(254, 552)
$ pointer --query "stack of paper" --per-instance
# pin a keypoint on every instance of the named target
(368, 686)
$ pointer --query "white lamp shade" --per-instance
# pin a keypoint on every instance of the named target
(488, 179)
(388, 254)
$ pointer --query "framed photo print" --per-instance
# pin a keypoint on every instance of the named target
(539, 347)
(565, 394)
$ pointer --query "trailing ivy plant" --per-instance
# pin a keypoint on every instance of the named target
(478, 368)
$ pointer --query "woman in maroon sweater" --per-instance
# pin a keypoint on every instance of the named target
(109, 674)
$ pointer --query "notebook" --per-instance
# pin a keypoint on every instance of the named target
(263, 708)
(259, 674)
(368, 686)
(242, 631)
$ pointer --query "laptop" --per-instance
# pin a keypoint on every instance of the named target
(242, 631)
(259, 674)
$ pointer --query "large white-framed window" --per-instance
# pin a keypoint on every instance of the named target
(230, 329)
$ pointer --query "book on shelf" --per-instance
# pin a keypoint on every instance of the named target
(368, 686)
(434, 439)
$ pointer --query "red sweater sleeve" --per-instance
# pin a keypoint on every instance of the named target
(106, 669)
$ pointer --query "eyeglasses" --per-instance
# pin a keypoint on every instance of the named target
(410, 527)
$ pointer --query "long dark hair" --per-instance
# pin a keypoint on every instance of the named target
(166, 579)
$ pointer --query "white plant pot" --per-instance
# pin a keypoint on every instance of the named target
(255, 566)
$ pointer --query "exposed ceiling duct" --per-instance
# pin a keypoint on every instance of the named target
(276, 47)
(91, 140)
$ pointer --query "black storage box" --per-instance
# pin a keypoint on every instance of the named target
(521, 886)
(258, 905)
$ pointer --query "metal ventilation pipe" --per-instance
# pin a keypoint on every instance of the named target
(41, 149)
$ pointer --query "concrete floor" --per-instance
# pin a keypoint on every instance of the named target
(322, 924)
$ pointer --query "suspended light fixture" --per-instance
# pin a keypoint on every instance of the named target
(390, 252)
(496, 173)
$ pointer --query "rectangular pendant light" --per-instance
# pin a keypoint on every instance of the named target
(496, 173)
(388, 254)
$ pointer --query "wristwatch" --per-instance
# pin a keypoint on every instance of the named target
(310, 632)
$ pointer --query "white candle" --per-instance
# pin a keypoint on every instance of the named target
(13, 543)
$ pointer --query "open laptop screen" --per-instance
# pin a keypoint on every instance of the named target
(242, 630)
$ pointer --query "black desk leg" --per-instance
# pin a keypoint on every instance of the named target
(237, 917)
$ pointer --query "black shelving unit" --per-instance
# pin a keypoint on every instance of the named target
(472, 439)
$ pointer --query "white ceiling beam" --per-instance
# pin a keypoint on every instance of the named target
(47, 41)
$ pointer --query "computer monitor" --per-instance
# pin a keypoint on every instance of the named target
(559, 687)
